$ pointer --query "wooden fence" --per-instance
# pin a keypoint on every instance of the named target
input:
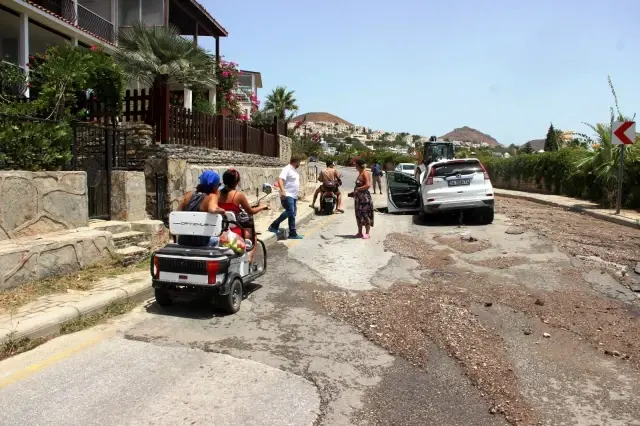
(183, 126)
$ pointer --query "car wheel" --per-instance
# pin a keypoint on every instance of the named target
(163, 298)
(230, 303)
(485, 215)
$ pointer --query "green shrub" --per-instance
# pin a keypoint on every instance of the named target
(34, 145)
(558, 172)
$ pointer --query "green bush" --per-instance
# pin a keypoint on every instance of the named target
(558, 172)
(34, 145)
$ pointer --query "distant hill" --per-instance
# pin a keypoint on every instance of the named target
(536, 144)
(321, 116)
(468, 134)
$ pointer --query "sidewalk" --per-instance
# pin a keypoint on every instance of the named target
(630, 218)
(44, 316)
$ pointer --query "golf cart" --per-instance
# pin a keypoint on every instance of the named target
(217, 273)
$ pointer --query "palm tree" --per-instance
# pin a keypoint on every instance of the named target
(603, 162)
(280, 101)
(160, 55)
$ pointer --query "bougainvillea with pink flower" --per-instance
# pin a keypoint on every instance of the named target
(228, 100)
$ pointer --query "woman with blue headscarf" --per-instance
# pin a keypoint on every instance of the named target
(203, 199)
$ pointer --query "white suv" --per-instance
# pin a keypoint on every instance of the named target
(447, 185)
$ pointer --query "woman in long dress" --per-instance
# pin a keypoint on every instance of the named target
(363, 201)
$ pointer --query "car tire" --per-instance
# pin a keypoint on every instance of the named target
(422, 215)
(485, 216)
(163, 297)
(230, 303)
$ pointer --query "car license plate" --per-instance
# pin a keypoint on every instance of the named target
(459, 182)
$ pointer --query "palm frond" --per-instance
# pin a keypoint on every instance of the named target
(151, 53)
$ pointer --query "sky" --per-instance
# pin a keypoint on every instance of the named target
(506, 68)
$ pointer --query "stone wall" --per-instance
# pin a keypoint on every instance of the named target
(173, 167)
(40, 202)
(285, 148)
(128, 196)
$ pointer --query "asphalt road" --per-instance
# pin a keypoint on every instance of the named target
(282, 360)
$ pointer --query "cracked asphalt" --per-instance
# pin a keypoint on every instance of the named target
(307, 348)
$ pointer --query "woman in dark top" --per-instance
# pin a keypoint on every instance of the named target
(363, 201)
(203, 199)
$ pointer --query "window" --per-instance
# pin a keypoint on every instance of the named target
(153, 12)
(458, 168)
(129, 12)
(9, 37)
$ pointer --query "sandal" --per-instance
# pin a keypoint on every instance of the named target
(366, 236)
(358, 235)
(339, 210)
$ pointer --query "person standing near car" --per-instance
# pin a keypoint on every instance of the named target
(363, 201)
(289, 187)
(376, 172)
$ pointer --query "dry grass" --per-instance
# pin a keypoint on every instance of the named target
(82, 280)
(12, 346)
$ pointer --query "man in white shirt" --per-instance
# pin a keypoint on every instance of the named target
(289, 186)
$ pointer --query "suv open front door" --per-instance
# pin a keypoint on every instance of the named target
(403, 193)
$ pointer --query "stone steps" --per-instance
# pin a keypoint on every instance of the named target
(113, 226)
(128, 239)
(133, 240)
(132, 254)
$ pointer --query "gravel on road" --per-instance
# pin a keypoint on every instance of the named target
(441, 307)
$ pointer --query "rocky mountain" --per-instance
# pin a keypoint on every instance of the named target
(321, 116)
(468, 134)
(536, 144)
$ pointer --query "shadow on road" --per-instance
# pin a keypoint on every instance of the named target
(439, 219)
(193, 308)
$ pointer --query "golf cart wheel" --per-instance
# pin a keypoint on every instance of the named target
(230, 303)
(163, 298)
(259, 258)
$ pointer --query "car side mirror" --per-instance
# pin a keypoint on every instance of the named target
(267, 188)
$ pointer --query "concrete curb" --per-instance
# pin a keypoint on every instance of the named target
(48, 324)
(619, 220)
(269, 238)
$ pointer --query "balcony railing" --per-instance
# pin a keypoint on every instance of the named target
(95, 24)
(63, 8)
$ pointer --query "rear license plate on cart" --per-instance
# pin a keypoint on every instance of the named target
(459, 182)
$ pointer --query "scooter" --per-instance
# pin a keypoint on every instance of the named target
(218, 273)
(329, 198)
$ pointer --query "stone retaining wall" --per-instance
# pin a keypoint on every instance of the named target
(285, 148)
(174, 167)
(39, 202)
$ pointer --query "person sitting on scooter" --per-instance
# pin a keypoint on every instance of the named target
(203, 199)
(233, 200)
(330, 178)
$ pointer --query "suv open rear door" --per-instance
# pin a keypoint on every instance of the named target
(403, 193)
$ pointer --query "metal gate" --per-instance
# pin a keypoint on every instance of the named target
(98, 150)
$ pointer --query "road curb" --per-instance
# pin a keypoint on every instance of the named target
(48, 324)
(619, 220)
(269, 238)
